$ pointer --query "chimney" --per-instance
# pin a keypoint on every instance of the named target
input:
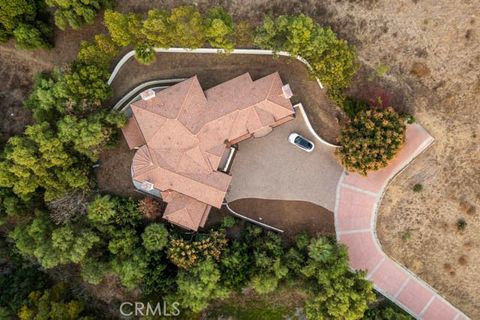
(147, 94)
(287, 91)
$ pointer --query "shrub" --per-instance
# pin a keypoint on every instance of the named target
(150, 208)
(155, 237)
(243, 34)
(461, 224)
(417, 187)
(370, 140)
(145, 54)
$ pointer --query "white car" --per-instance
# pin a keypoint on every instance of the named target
(301, 142)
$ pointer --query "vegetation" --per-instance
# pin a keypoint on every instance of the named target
(417, 187)
(76, 13)
(461, 224)
(370, 140)
(332, 60)
(26, 21)
(54, 303)
(182, 26)
(47, 187)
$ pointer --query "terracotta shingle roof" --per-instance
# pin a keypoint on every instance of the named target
(182, 133)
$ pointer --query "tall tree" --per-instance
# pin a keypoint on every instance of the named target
(219, 29)
(123, 28)
(26, 21)
(76, 13)
(187, 25)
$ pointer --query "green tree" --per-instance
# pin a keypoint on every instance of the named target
(102, 209)
(76, 13)
(123, 242)
(219, 29)
(123, 28)
(87, 88)
(94, 271)
(28, 36)
(39, 160)
(333, 61)
(334, 291)
(90, 135)
(267, 252)
(157, 29)
(187, 25)
(131, 270)
(50, 246)
(26, 21)
(55, 304)
(198, 286)
(370, 140)
(155, 237)
(100, 52)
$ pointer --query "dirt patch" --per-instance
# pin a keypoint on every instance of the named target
(292, 217)
(113, 174)
(213, 69)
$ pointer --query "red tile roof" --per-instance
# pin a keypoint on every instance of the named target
(182, 133)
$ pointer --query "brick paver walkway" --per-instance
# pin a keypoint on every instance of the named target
(356, 206)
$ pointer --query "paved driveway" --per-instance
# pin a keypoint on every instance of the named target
(272, 168)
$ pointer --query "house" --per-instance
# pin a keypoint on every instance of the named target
(184, 137)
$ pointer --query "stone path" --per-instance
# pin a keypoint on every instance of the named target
(356, 205)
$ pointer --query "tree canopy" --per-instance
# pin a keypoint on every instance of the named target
(26, 21)
(371, 139)
(332, 60)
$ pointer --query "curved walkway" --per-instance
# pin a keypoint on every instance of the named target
(356, 205)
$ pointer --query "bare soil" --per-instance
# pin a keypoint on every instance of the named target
(431, 49)
(113, 174)
(292, 217)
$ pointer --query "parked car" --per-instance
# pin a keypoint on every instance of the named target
(301, 142)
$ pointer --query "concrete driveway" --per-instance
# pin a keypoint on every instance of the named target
(272, 168)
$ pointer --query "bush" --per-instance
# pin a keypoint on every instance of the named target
(370, 140)
(417, 187)
(150, 208)
(145, 54)
(461, 224)
(155, 237)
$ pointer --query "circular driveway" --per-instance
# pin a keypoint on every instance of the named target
(272, 168)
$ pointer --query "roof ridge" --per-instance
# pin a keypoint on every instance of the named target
(186, 95)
